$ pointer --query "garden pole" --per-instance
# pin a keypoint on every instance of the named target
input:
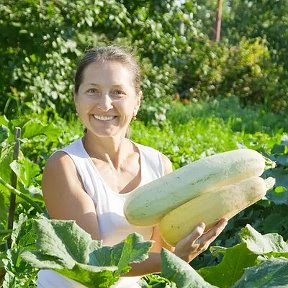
(12, 205)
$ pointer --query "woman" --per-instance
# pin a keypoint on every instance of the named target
(89, 180)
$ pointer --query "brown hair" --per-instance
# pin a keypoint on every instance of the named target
(104, 54)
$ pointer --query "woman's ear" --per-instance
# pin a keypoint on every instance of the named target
(139, 98)
(138, 103)
(140, 95)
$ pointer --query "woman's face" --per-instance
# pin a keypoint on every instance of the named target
(106, 100)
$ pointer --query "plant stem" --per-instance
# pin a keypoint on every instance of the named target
(12, 205)
(21, 195)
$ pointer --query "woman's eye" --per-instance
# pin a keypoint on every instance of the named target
(93, 91)
(118, 93)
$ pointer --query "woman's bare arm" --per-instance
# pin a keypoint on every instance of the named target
(64, 195)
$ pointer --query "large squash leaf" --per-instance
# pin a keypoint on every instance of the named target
(66, 248)
(231, 267)
(271, 244)
(269, 274)
(181, 273)
(241, 256)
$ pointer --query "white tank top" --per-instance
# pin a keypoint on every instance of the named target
(113, 226)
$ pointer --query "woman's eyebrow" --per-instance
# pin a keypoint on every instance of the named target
(93, 84)
(114, 85)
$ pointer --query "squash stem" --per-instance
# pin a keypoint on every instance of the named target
(269, 164)
(270, 182)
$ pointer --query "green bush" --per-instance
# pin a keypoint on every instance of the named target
(41, 43)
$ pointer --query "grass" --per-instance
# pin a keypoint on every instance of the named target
(196, 130)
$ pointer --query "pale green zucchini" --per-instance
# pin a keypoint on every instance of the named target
(147, 204)
(211, 207)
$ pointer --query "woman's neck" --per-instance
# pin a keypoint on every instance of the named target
(113, 150)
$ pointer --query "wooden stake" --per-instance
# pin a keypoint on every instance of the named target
(12, 205)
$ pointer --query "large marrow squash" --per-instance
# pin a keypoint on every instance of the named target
(147, 204)
(211, 207)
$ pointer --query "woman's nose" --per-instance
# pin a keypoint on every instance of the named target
(104, 102)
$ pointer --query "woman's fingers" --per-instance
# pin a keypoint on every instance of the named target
(212, 233)
(209, 236)
(198, 240)
(187, 248)
(196, 233)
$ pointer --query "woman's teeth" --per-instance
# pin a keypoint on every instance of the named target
(103, 118)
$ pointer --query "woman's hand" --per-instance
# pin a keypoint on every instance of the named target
(198, 240)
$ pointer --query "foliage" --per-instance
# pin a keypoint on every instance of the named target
(263, 19)
(50, 37)
(67, 249)
(39, 138)
(171, 41)
(197, 130)
(17, 272)
(201, 129)
(189, 132)
(252, 245)
(248, 119)
(280, 156)
(268, 21)
(257, 261)
(40, 44)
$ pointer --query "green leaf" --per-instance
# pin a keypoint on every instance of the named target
(231, 268)
(22, 234)
(37, 259)
(4, 133)
(3, 208)
(280, 189)
(263, 244)
(64, 240)
(35, 127)
(25, 170)
(281, 176)
(269, 274)
(133, 250)
(277, 220)
(130, 250)
(3, 120)
(6, 157)
(181, 273)
(91, 276)
(243, 255)
(17, 270)
(156, 281)
(278, 149)
(69, 250)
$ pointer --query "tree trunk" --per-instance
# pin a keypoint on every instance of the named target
(218, 21)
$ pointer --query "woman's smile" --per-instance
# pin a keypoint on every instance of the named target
(104, 117)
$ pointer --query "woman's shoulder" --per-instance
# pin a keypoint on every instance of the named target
(154, 153)
(58, 162)
(63, 153)
(61, 158)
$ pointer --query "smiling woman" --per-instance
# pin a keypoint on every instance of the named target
(106, 100)
(89, 180)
